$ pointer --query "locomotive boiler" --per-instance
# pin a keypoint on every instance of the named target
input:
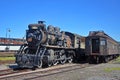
(47, 46)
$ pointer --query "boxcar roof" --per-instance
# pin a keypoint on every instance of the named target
(100, 34)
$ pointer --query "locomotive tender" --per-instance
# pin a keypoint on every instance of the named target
(48, 46)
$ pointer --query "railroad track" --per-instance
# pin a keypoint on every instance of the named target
(12, 71)
(6, 72)
(32, 75)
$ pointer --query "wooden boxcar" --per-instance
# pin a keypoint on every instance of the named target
(100, 47)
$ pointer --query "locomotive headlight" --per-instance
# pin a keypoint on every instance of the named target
(29, 39)
(34, 27)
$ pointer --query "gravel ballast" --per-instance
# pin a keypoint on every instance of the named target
(108, 71)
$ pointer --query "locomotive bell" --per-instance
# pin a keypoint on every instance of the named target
(41, 22)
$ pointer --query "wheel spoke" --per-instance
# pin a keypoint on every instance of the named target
(70, 60)
(40, 64)
(55, 62)
(49, 63)
(63, 59)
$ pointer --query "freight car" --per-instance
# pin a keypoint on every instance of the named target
(100, 47)
(47, 46)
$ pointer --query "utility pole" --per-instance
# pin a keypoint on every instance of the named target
(9, 35)
(7, 39)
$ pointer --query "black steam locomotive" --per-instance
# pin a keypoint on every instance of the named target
(48, 46)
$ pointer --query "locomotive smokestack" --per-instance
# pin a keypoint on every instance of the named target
(41, 22)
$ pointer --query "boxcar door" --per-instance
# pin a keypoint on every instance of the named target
(95, 45)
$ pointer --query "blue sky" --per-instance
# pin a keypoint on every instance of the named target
(77, 16)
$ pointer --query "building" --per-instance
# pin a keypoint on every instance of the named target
(10, 44)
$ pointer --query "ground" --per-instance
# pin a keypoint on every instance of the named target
(7, 58)
(108, 71)
(104, 71)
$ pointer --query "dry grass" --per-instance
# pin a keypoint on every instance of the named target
(112, 69)
(7, 54)
(7, 58)
(117, 60)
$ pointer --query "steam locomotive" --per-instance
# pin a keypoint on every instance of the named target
(48, 46)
